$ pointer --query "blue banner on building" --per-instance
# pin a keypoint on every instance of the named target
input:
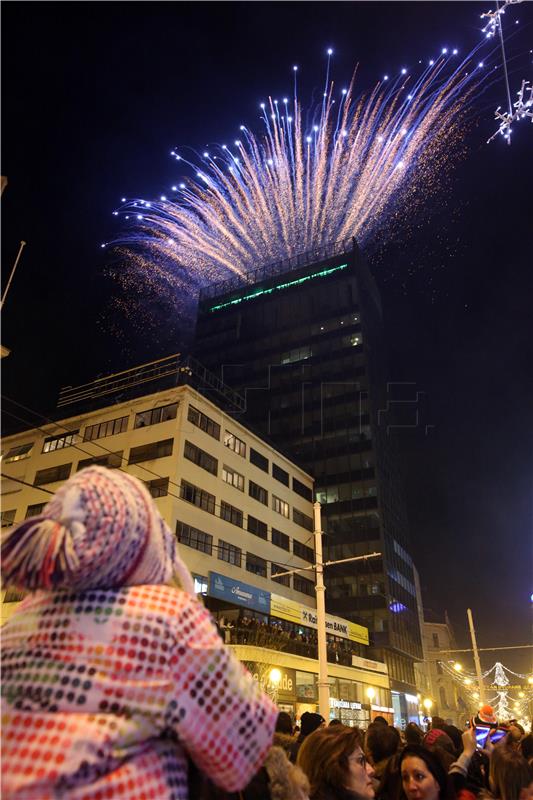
(237, 592)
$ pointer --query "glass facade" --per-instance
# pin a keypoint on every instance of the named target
(317, 346)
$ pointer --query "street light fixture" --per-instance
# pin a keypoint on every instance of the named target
(427, 704)
(370, 693)
(275, 676)
(457, 667)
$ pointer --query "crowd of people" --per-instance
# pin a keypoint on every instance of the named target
(116, 684)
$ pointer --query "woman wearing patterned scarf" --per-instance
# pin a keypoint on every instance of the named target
(111, 676)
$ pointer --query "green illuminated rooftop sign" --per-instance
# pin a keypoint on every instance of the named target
(323, 273)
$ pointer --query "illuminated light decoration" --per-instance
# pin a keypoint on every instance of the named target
(444, 51)
(115, 213)
(494, 18)
(285, 100)
(123, 200)
(523, 109)
(455, 51)
(404, 71)
(174, 188)
(397, 607)
(236, 214)
(330, 51)
(385, 77)
(102, 245)
(287, 285)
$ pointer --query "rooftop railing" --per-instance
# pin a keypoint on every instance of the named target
(320, 253)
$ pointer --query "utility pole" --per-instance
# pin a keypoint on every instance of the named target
(21, 248)
(320, 589)
(477, 663)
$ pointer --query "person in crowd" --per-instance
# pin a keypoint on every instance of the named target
(380, 720)
(309, 722)
(423, 776)
(334, 722)
(381, 746)
(438, 722)
(336, 766)
(440, 743)
(112, 678)
(413, 733)
(455, 735)
(284, 723)
(509, 774)
(526, 747)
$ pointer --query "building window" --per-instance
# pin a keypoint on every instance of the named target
(280, 474)
(149, 452)
(204, 422)
(58, 442)
(233, 478)
(302, 490)
(102, 429)
(230, 553)
(18, 453)
(302, 551)
(52, 474)
(298, 354)
(280, 539)
(435, 639)
(200, 584)
(155, 415)
(8, 517)
(257, 527)
(439, 668)
(231, 514)
(200, 458)
(258, 493)
(304, 585)
(302, 519)
(256, 565)
(258, 459)
(34, 510)
(285, 580)
(280, 506)
(158, 487)
(197, 497)
(111, 460)
(235, 444)
(192, 537)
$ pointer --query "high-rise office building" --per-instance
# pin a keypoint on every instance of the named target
(302, 340)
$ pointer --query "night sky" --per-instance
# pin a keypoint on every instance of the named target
(95, 95)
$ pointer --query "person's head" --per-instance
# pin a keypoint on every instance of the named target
(333, 758)
(509, 773)
(413, 733)
(382, 741)
(456, 737)
(101, 530)
(284, 723)
(437, 722)
(309, 722)
(423, 775)
(380, 720)
(334, 722)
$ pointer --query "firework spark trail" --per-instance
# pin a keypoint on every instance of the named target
(296, 187)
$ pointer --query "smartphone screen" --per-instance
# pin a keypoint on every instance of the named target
(482, 732)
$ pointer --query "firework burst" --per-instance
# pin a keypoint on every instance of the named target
(359, 165)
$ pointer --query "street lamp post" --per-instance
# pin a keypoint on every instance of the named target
(323, 683)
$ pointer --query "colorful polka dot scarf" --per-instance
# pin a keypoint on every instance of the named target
(104, 691)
